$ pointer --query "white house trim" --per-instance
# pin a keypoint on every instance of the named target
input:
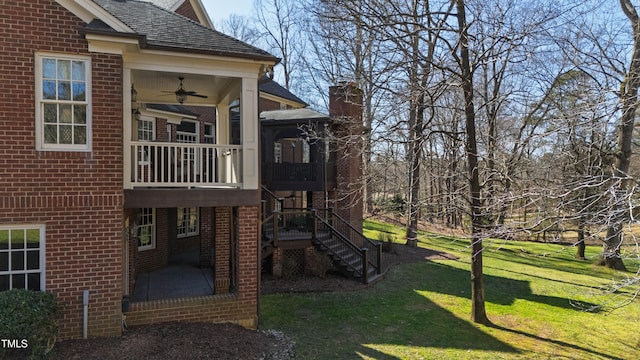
(103, 15)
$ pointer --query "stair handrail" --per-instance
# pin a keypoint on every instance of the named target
(273, 197)
(374, 247)
(274, 235)
(360, 252)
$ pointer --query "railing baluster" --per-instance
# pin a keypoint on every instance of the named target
(134, 164)
(187, 164)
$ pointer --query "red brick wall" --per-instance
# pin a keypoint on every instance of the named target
(248, 272)
(206, 236)
(222, 249)
(158, 257)
(266, 105)
(161, 130)
(187, 10)
(77, 195)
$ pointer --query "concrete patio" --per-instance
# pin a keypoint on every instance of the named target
(174, 282)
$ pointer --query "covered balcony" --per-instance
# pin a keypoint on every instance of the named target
(186, 134)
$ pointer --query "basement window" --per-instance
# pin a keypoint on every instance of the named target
(22, 257)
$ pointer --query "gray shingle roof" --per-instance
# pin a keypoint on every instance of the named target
(273, 88)
(167, 4)
(163, 29)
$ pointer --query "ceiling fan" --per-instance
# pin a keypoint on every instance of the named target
(181, 93)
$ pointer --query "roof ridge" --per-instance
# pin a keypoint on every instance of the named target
(199, 24)
(180, 32)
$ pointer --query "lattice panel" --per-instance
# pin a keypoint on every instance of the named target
(293, 262)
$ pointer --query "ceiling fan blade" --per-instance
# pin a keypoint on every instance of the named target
(200, 96)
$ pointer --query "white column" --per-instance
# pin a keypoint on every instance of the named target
(249, 133)
(126, 127)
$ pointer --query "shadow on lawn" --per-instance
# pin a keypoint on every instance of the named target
(393, 320)
(440, 329)
(390, 317)
(503, 291)
(498, 290)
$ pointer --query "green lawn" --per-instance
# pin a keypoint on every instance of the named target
(535, 295)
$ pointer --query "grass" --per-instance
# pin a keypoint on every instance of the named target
(535, 296)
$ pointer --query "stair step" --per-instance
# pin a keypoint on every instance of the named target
(267, 251)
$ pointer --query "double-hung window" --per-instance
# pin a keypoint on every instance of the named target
(63, 102)
(22, 257)
(188, 222)
(146, 132)
(209, 133)
(146, 229)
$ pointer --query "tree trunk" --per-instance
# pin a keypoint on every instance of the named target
(416, 102)
(580, 246)
(478, 312)
(610, 256)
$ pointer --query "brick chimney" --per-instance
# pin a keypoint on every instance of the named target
(345, 108)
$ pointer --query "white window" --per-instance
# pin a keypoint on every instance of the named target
(306, 152)
(63, 102)
(22, 257)
(188, 222)
(187, 132)
(277, 153)
(209, 133)
(146, 129)
(146, 132)
(146, 229)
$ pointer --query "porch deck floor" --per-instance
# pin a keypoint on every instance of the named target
(173, 282)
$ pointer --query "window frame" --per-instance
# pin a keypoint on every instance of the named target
(143, 155)
(40, 102)
(209, 138)
(182, 224)
(41, 255)
(152, 226)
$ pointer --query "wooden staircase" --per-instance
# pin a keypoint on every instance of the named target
(350, 251)
(348, 259)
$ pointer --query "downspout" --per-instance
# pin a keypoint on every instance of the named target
(85, 313)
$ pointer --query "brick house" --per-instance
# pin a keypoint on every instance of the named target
(111, 169)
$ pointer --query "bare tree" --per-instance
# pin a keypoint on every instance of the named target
(241, 28)
(342, 49)
(478, 311)
(610, 256)
(279, 23)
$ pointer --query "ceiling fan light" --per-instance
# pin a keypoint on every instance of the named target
(181, 97)
(134, 94)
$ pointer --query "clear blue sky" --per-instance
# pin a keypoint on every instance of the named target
(219, 10)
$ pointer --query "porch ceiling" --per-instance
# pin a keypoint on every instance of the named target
(158, 87)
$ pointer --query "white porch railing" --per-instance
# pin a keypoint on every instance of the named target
(161, 164)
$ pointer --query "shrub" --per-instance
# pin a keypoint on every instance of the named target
(321, 264)
(31, 316)
(388, 245)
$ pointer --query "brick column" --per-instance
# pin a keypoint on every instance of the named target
(276, 262)
(206, 236)
(222, 249)
(345, 104)
(248, 269)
